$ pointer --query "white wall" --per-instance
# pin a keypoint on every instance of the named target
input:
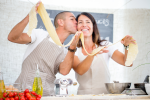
(97, 4)
(130, 21)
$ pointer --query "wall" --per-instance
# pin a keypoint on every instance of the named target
(134, 22)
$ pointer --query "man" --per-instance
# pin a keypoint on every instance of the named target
(41, 50)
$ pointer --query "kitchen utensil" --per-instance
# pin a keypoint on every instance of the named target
(146, 80)
(62, 86)
(147, 87)
(140, 85)
(117, 88)
(136, 91)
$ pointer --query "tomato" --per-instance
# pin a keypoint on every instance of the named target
(1, 99)
(15, 93)
(5, 94)
(26, 91)
(32, 98)
(26, 98)
(33, 92)
(21, 94)
(12, 99)
(28, 95)
(16, 98)
(39, 96)
(7, 99)
(22, 98)
(11, 94)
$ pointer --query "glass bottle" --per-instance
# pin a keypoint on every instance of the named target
(2, 85)
(37, 84)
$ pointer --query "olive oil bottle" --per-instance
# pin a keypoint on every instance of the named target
(37, 84)
(2, 85)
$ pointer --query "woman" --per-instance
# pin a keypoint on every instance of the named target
(92, 71)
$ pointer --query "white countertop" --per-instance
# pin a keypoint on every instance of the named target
(97, 97)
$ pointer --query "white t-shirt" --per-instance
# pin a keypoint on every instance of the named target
(37, 36)
(106, 56)
(93, 81)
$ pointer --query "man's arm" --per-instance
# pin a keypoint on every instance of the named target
(66, 65)
(17, 36)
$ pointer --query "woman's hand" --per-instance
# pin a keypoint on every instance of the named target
(76, 39)
(36, 7)
(127, 40)
(104, 50)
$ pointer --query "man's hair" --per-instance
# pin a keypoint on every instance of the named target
(61, 15)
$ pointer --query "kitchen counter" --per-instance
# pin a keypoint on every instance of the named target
(98, 97)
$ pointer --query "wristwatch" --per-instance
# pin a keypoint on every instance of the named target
(126, 47)
(72, 50)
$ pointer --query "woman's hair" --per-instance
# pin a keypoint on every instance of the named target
(95, 35)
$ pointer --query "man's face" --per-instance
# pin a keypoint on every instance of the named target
(70, 23)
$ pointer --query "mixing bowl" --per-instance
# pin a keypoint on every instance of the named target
(117, 88)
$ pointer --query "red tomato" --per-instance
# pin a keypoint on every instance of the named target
(33, 92)
(26, 91)
(26, 98)
(28, 95)
(32, 98)
(11, 94)
(15, 93)
(7, 99)
(5, 94)
(22, 98)
(16, 98)
(21, 94)
(1, 99)
(39, 96)
(12, 99)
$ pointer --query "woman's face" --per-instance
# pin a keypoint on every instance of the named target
(85, 25)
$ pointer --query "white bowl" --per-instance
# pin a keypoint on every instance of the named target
(147, 87)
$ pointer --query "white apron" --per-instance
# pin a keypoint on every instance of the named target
(93, 81)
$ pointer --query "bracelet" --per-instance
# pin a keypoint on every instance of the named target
(72, 50)
(126, 47)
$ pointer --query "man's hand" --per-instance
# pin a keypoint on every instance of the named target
(76, 39)
(36, 7)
